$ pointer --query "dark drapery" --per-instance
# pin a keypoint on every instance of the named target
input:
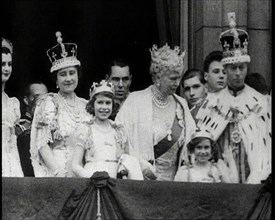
(44, 198)
(262, 208)
(168, 19)
(86, 204)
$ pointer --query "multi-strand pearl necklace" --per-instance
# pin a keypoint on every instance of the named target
(159, 100)
(75, 114)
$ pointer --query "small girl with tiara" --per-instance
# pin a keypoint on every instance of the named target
(101, 144)
(202, 148)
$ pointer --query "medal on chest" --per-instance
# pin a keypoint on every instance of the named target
(235, 135)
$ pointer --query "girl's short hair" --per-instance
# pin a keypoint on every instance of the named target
(90, 105)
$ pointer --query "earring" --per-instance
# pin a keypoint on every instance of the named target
(57, 86)
(158, 84)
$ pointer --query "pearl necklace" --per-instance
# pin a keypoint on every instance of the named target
(159, 99)
(74, 114)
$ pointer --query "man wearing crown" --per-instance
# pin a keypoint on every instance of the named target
(239, 116)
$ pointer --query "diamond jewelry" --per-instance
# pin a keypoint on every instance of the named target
(159, 100)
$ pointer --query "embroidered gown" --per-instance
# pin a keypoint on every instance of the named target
(147, 138)
(54, 124)
(103, 149)
(11, 166)
(242, 122)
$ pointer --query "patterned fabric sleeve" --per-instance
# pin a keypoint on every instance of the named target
(121, 139)
(46, 121)
(42, 132)
(82, 136)
(215, 173)
(182, 174)
(16, 109)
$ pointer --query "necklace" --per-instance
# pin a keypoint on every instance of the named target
(158, 99)
(164, 119)
(73, 111)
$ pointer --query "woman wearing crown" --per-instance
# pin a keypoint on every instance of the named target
(157, 121)
(11, 166)
(100, 142)
(57, 115)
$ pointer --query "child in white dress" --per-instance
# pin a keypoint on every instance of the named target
(201, 149)
(101, 144)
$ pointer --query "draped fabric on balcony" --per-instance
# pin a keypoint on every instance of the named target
(48, 198)
(168, 21)
(262, 208)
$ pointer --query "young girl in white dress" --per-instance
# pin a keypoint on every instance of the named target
(101, 144)
(11, 166)
(201, 149)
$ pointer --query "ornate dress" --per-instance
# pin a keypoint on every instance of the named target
(11, 166)
(103, 148)
(54, 124)
(161, 144)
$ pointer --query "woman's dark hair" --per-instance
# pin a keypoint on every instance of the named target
(90, 105)
(53, 75)
(6, 50)
(194, 142)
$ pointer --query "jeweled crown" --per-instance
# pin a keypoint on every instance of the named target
(103, 86)
(6, 43)
(234, 43)
(164, 58)
(202, 132)
(63, 54)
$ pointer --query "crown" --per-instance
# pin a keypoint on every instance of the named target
(103, 86)
(234, 43)
(63, 54)
(6, 43)
(164, 59)
(201, 132)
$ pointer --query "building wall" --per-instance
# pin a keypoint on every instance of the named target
(210, 19)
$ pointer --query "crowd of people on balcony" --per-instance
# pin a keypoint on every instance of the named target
(218, 129)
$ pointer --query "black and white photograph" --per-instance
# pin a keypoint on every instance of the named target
(136, 109)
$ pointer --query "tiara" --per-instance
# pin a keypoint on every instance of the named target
(164, 58)
(6, 43)
(234, 42)
(200, 132)
(103, 86)
(63, 54)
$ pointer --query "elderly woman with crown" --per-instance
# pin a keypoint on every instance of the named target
(57, 115)
(157, 121)
(239, 116)
(11, 166)
(100, 143)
